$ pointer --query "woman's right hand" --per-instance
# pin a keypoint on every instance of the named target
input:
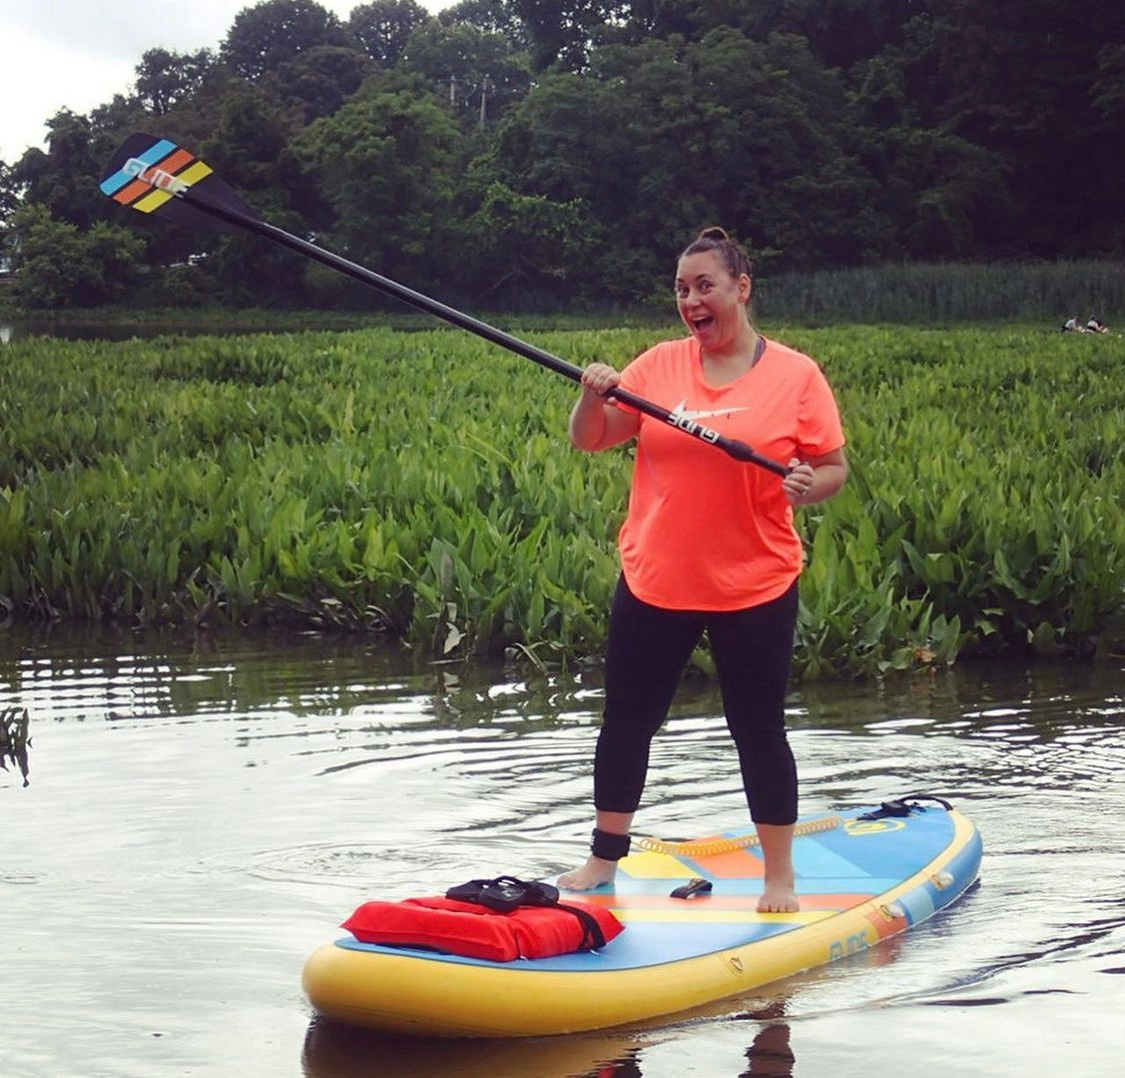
(599, 378)
(595, 422)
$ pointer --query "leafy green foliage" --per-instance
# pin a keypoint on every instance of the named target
(319, 80)
(384, 162)
(478, 72)
(826, 134)
(58, 265)
(383, 27)
(760, 108)
(420, 484)
(561, 31)
(274, 32)
(166, 78)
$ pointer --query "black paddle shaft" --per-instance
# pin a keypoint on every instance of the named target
(732, 446)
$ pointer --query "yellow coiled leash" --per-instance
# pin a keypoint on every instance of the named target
(713, 847)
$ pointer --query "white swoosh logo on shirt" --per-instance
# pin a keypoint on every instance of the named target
(681, 410)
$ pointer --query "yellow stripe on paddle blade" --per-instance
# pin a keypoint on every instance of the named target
(157, 198)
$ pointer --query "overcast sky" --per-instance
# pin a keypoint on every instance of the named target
(77, 54)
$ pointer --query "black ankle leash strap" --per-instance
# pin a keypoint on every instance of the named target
(608, 846)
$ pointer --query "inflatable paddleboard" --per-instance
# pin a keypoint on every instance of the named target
(862, 875)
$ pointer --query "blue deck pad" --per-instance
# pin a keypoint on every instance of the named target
(892, 847)
(859, 856)
(650, 943)
(850, 881)
(859, 859)
(813, 861)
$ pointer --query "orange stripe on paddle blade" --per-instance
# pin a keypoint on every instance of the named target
(171, 164)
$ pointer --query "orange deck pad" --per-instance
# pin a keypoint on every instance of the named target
(726, 902)
(736, 865)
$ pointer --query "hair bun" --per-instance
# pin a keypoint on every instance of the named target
(718, 241)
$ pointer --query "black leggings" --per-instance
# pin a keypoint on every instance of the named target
(647, 652)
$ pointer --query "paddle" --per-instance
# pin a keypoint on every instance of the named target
(154, 175)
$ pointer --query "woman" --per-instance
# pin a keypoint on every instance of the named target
(709, 546)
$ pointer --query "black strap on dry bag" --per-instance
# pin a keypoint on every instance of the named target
(504, 894)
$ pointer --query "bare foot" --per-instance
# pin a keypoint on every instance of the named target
(592, 874)
(779, 891)
(778, 898)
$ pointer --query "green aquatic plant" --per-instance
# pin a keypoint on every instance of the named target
(14, 740)
(420, 485)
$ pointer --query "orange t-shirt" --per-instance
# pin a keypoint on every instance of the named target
(705, 531)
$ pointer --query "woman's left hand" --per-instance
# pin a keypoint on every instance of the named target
(799, 482)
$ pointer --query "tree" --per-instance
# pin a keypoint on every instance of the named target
(1107, 97)
(658, 19)
(386, 164)
(933, 185)
(601, 143)
(166, 79)
(59, 265)
(489, 17)
(251, 146)
(1020, 77)
(9, 193)
(65, 178)
(265, 36)
(562, 32)
(478, 72)
(320, 80)
(784, 142)
(840, 33)
(662, 138)
(9, 203)
(525, 248)
(569, 149)
(383, 27)
(250, 133)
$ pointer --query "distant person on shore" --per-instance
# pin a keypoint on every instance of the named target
(708, 547)
(1072, 325)
(1096, 325)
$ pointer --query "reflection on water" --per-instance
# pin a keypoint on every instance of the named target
(334, 1051)
(203, 811)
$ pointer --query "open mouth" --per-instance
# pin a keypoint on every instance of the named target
(701, 324)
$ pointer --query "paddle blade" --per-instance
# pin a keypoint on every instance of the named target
(155, 176)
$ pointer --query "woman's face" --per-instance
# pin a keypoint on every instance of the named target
(711, 302)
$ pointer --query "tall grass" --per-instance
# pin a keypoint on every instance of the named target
(1043, 293)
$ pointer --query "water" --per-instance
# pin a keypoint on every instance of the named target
(203, 812)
